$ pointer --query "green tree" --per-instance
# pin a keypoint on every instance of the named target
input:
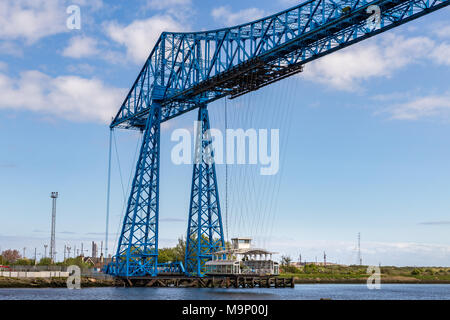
(24, 262)
(78, 261)
(285, 260)
(167, 255)
(45, 262)
(180, 249)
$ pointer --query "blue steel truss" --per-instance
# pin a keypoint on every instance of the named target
(205, 230)
(137, 252)
(186, 71)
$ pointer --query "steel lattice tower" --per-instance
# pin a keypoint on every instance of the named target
(205, 230)
(137, 252)
(187, 71)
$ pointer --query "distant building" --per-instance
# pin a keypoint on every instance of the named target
(94, 250)
(97, 262)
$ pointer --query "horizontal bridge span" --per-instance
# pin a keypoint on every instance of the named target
(185, 70)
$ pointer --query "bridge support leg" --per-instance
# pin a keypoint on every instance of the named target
(137, 251)
(205, 230)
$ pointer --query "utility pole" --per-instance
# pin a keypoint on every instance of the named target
(45, 250)
(54, 196)
(359, 249)
(324, 259)
(65, 248)
(35, 256)
(24, 248)
(68, 250)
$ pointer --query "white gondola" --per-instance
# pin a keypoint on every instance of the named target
(242, 259)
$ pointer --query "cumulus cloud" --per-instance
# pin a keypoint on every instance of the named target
(68, 97)
(421, 107)
(346, 68)
(140, 36)
(31, 19)
(442, 54)
(81, 47)
(228, 17)
(160, 5)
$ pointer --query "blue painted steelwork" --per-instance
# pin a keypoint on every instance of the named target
(164, 268)
(186, 71)
(205, 230)
(137, 252)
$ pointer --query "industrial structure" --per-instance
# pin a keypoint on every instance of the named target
(187, 71)
(53, 196)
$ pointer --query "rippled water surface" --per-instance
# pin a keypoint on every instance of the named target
(300, 292)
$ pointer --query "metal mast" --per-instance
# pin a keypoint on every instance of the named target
(359, 249)
(54, 196)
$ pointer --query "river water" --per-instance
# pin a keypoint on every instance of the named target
(300, 292)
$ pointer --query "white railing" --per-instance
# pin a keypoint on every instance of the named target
(34, 274)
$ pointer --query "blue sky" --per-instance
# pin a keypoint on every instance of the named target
(364, 131)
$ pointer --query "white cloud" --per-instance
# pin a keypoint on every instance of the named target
(229, 18)
(442, 54)
(167, 4)
(11, 48)
(81, 47)
(442, 31)
(31, 19)
(289, 2)
(94, 4)
(421, 107)
(140, 36)
(346, 68)
(68, 97)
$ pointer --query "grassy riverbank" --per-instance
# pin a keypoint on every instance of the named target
(51, 282)
(358, 274)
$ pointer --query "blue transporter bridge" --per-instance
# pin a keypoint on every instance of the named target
(187, 71)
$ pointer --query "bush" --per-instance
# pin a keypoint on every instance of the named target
(416, 272)
(311, 268)
(290, 269)
(45, 262)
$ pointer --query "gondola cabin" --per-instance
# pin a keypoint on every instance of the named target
(242, 259)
